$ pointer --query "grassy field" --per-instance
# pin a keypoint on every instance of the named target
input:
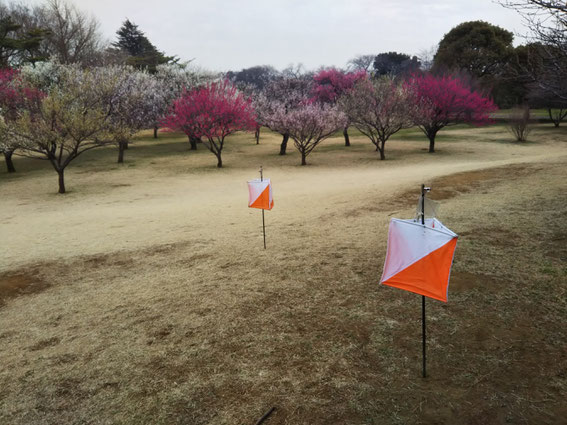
(144, 295)
(536, 114)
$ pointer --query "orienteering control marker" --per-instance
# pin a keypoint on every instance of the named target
(260, 196)
(419, 258)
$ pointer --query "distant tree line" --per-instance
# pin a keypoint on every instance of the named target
(534, 73)
(63, 93)
(57, 30)
(57, 112)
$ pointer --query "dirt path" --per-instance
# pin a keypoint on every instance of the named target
(152, 210)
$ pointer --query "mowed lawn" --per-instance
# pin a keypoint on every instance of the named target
(144, 295)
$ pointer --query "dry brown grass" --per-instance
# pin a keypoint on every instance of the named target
(144, 295)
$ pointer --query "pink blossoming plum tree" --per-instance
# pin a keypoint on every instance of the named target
(280, 97)
(331, 84)
(379, 108)
(212, 113)
(309, 125)
(443, 101)
(170, 81)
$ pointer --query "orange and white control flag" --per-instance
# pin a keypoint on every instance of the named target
(419, 257)
(260, 194)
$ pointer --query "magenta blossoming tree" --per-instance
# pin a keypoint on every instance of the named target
(170, 81)
(212, 113)
(378, 109)
(444, 101)
(309, 125)
(331, 84)
(182, 117)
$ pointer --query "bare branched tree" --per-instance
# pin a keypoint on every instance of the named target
(547, 20)
(294, 71)
(361, 63)
(426, 57)
(74, 36)
(519, 123)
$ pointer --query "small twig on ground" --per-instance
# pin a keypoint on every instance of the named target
(263, 418)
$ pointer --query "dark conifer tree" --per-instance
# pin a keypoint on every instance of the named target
(142, 53)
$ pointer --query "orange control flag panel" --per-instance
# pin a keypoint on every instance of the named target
(260, 194)
(419, 257)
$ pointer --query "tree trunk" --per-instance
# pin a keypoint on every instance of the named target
(347, 139)
(193, 142)
(155, 131)
(257, 135)
(61, 181)
(219, 161)
(381, 150)
(431, 137)
(126, 145)
(283, 146)
(121, 147)
(9, 163)
(552, 118)
(303, 156)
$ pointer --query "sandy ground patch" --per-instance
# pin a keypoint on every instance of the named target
(125, 208)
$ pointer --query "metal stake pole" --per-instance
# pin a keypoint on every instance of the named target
(422, 204)
(263, 221)
(423, 297)
(264, 229)
(423, 331)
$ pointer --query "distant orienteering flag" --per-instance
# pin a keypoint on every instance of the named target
(260, 194)
(419, 257)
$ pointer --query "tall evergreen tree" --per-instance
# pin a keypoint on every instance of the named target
(482, 51)
(477, 47)
(130, 38)
(16, 49)
(394, 63)
(142, 53)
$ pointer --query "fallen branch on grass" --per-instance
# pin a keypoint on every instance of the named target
(263, 418)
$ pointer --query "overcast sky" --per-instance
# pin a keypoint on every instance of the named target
(222, 34)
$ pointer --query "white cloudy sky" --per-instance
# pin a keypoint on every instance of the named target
(224, 34)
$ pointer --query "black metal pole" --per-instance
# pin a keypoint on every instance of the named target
(264, 228)
(423, 332)
(263, 221)
(423, 297)
(422, 204)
